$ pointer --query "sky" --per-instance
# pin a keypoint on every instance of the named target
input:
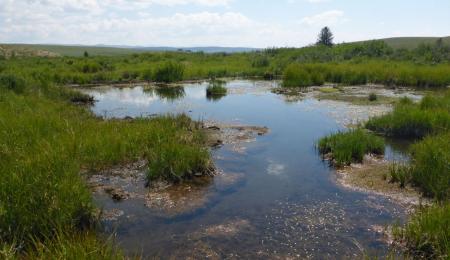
(230, 23)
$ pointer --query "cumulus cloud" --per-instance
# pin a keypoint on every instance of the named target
(326, 18)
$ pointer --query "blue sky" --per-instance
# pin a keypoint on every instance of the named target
(249, 23)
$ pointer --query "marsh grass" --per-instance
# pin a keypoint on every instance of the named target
(427, 234)
(46, 142)
(364, 72)
(410, 120)
(351, 146)
(430, 169)
(216, 90)
(169, 72)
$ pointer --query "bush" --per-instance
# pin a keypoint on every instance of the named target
(351, 146)
(169, 72)
(373, 97)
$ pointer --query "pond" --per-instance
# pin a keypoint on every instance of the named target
(283, 200)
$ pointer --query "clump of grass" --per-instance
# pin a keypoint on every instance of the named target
(169, 72)
(373, 97)
(400, 173)
(430, 167)
(427, 234)
(216, 90)
(295, 76)
(411, 120)
(76, 245)
(351, 146)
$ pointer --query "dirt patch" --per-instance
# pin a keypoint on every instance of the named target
(234, 135)
(373, 176)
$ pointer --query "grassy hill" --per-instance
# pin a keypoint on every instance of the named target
(75, 50)
(413, 42)
(78, 50)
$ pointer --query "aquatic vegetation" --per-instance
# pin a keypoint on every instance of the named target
(373, 97)
(411, 120)
(169, 72)
(46, 142)
(430, 169)
(427, 234)
(364, 72)
(351, 146)
(216, 90)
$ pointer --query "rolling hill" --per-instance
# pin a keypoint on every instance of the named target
(413, 42)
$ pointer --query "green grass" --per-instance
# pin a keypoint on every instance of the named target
(351, 146)
(410, 120)
(46, 142)
(427, 234)
(216, 88)
(169, 72)
(430, 169)
(364, 72)
(412, 42)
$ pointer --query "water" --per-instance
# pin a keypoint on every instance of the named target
(285, 202)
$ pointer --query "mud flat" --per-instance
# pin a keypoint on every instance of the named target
(373, 176)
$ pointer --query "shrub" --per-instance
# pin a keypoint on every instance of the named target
(169, 72)
(373, 97)
(351, 146)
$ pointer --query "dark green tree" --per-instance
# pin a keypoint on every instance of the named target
(325, 37)
(86, 54)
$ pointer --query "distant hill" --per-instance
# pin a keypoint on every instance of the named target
(413, 42)
(103, 50)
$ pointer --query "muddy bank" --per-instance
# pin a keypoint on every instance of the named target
(128, 183)
(373, 176)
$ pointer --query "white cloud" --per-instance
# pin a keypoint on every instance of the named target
(332, 17)
(318, 1)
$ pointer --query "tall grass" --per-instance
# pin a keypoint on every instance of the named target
(216, 87)
(351, 146)
(427, 234)
(411, 120)
(46, 142)
(169, 72)
(364, 72)
(430, 169)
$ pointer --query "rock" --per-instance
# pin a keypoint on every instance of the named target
(116, 194)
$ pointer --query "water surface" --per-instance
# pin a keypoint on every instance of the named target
(286, 204)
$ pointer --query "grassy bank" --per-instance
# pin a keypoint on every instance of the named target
(45, 206)
(427, 234)
(365, 72)
(410, 120)
(351, 146)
